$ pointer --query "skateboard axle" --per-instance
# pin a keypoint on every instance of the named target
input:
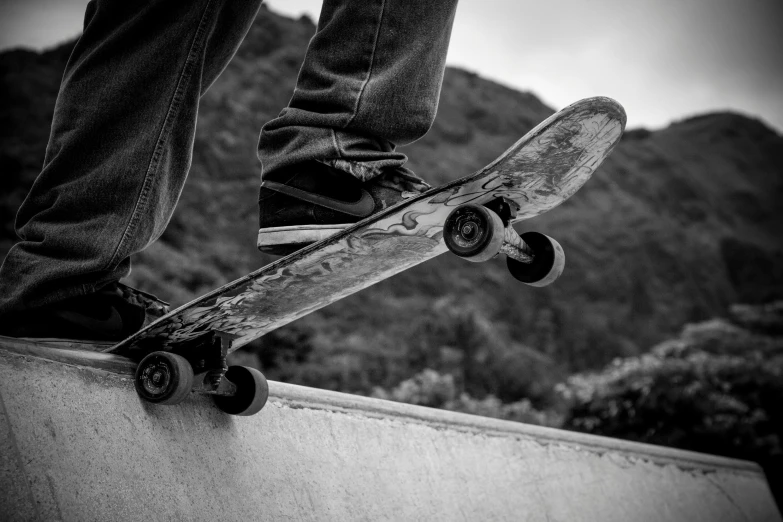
(213, 382)
(515, 247)
(212, 367)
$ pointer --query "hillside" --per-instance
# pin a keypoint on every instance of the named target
(677, 225)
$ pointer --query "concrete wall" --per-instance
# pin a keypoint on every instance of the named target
(76, 443)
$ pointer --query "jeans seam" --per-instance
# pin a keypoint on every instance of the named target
(369, 69)
(336, 143)
(154, 164)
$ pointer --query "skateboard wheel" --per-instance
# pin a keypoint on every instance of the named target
(251, 395)
(473, 232)
(164, 378)
(547, 265)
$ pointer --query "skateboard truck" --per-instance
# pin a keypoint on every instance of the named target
(481, 232)
(503, 207)
(199, 365)
(210, 371)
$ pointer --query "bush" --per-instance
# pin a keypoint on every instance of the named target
(430, 388)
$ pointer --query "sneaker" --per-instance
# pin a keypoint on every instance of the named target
(111, 314)
(311, 201)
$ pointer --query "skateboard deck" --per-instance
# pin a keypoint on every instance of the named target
(539, 172)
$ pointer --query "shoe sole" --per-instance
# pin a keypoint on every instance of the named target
(59, 342)
(285, 240)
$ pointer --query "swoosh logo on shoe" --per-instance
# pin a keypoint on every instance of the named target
(111, 325)
(361, 208)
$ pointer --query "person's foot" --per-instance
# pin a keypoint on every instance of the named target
(113, 313)
(311, 201)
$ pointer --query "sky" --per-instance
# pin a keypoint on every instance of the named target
(664, 60)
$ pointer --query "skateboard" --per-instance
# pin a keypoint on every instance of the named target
(185, 350)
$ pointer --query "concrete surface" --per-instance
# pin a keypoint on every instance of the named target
(76, 443)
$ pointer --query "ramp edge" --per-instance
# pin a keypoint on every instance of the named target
(295, 396)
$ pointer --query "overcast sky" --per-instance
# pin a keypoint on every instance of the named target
(662, 59)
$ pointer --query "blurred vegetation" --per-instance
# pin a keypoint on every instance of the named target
(717, 387)
(436, 390)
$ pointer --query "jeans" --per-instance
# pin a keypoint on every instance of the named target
(124, 123)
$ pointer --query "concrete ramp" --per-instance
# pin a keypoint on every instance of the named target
(76, 443)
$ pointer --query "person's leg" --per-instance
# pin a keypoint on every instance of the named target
(120, 144)
(370, 81)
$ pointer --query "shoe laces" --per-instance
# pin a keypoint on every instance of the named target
(152, 306)
(402, 180)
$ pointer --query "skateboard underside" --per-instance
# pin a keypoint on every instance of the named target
(537, 173)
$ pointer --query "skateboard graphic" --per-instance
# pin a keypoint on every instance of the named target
(186, 349)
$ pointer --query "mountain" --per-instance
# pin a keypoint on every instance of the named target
(677, 225)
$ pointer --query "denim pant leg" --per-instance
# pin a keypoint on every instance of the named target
(370, 81)
(120, 144)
